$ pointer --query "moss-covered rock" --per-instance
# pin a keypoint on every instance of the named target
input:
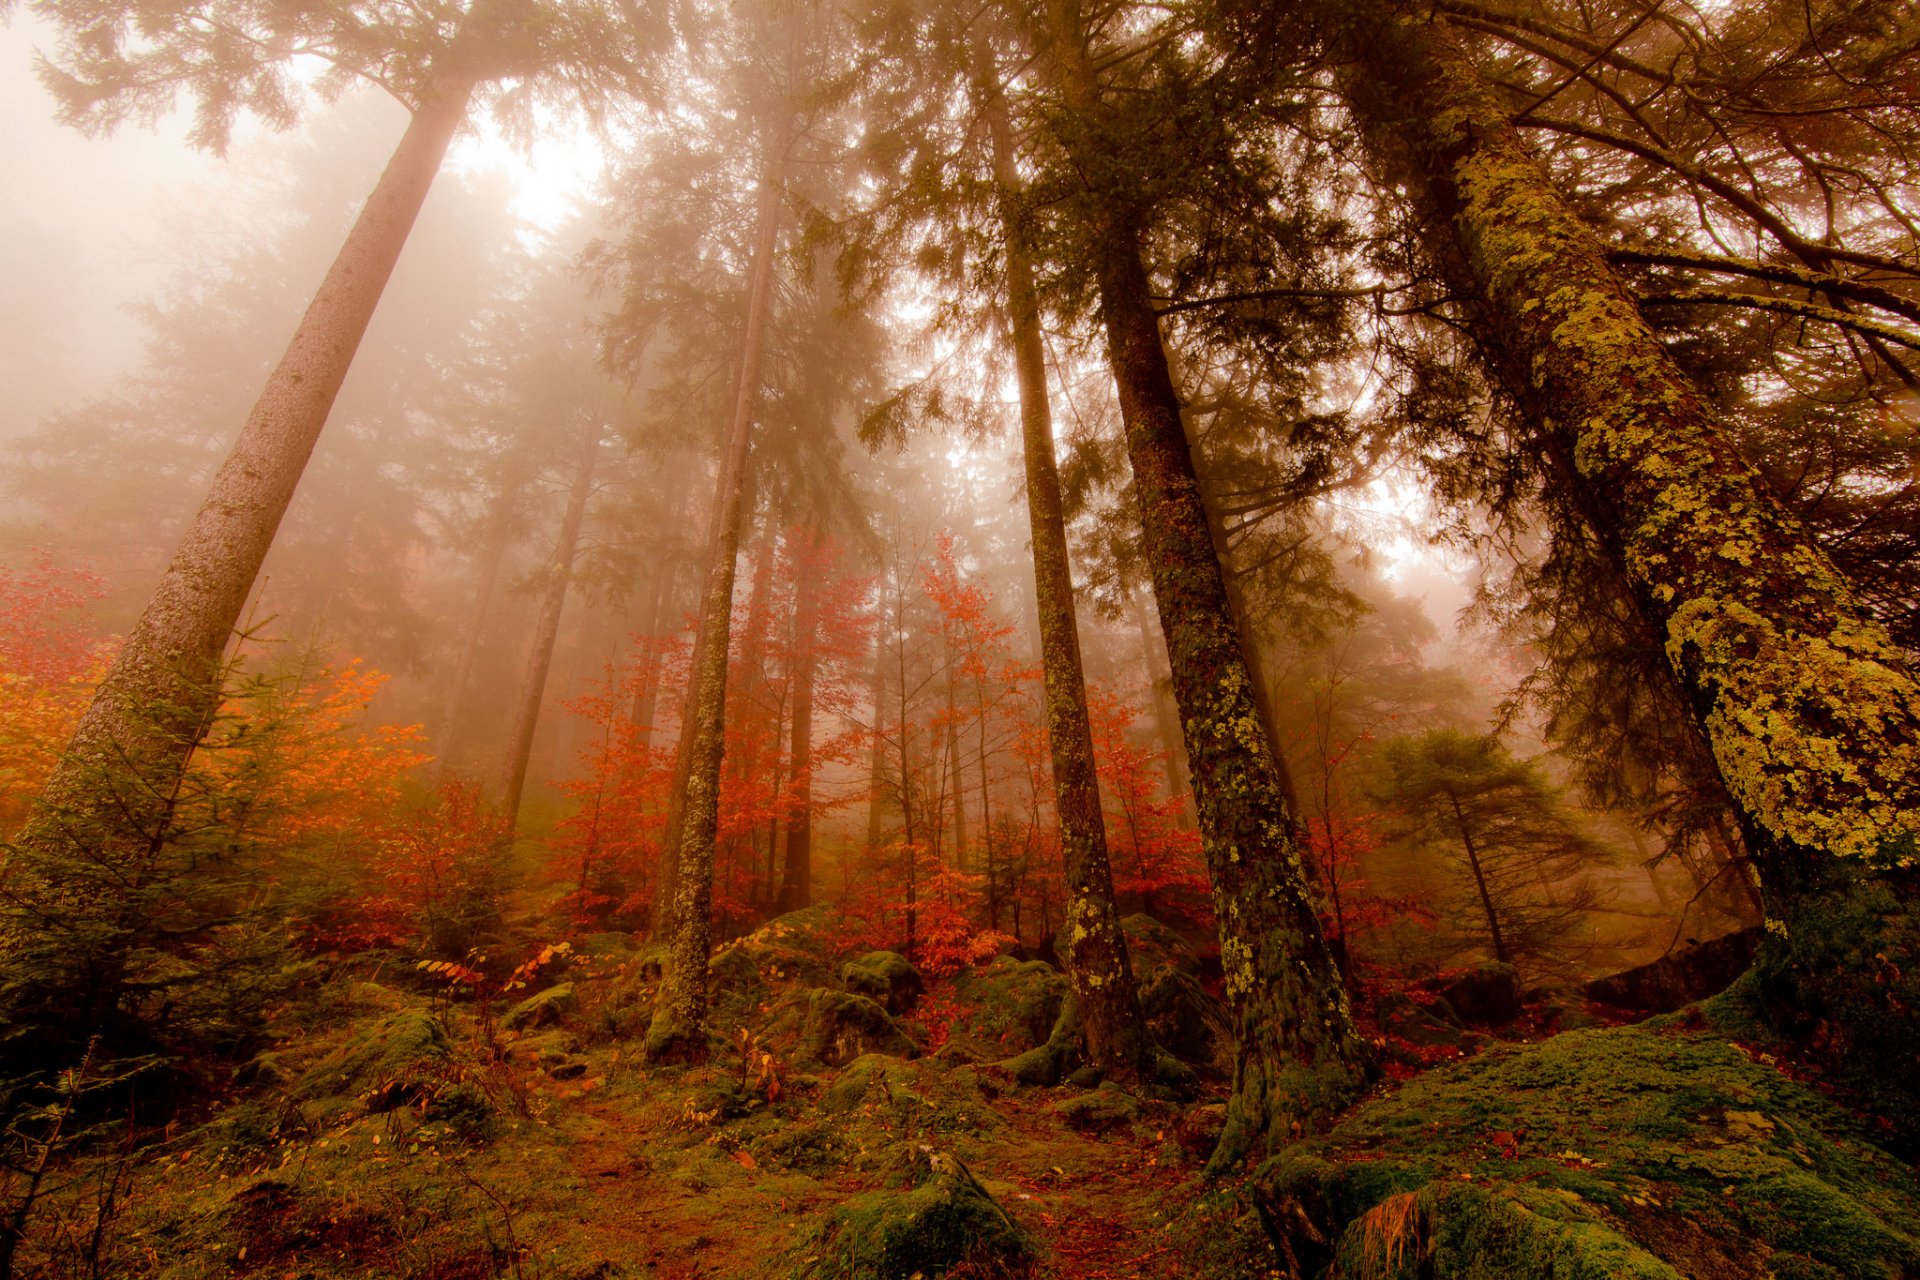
(873, 1076)
(886, 978)
(1657, 1150)
(1012, 1005)
(1186, 1020)
(1100, 1110)
(840, 1026)
(934, 1217)
(1487, 995)
(541, 1009)
(390, 1063)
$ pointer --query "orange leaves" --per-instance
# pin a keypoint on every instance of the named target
(48, 667)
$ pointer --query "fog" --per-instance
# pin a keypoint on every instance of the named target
(505, 522)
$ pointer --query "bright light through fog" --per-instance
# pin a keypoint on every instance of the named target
(550, 177)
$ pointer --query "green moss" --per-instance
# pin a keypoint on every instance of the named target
(1634, 1151)
(381, 1066)
(936, 1218)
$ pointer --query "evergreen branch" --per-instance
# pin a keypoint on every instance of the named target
(1839, 286)
(1791, 306)
(1266, 295)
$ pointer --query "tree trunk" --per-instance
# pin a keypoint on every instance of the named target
(1298, 1057)
(796, 877)
(114, 783)
(1095, 953)
(493, 551)
(546, 630)
(1500, 952)
(679, 1026)
(1166, 716)
(1812, 714)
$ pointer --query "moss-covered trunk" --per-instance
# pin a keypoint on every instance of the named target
(679, 1027)
(1095, 947)
(1811, 712)
(1298, 1056)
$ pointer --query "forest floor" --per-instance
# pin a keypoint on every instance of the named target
(397, 1133)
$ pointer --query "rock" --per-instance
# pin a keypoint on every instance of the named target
(1650, 1151)
(541, 1009)
(1487, 996)
(1087, 1077)
(1099, 1110)
(884, 977)
(1689, 974)
(840, 1027)
(1405, 1018)
(874, 1076)
(571, 1069)
(388, 1064)
(1185, 1020)
(1151, 945)
(1014, 1004)
(936, 1217)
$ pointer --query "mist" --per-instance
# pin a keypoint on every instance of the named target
(793, 599)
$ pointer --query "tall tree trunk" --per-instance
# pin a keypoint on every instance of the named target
(1095, 953)
(877, 745)
(1166, 716)
(546, 629)
(1811, 711)
(493, 551)
(1298, 1057)
(114, 783)
(679, 1026)
(796, 878)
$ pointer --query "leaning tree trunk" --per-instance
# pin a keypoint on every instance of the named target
(1095, 949)
(679, 1028)
(546, 630)
(1298, 1056)
(114, 783)
(796, 874)
(1811, 711)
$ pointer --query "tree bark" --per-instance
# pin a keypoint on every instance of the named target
(679, 1027)
(1810, 709)
(796, 872)
(1095, 950)
(1166, 716)
(114, 783)
(1480, 882)
(546, 629)
(1298, 1057)
(493, 551)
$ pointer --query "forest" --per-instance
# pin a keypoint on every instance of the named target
(893, 639)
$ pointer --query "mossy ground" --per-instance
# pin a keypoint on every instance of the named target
(1664, 1149)
(1657, 1150)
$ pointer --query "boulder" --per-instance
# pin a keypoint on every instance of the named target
(1485, 996)
(1185, 1019)
(1645, 1152)
(933, 1218)
(1681, 977)
(1013, 1003)
(1099, 1110)
(541, 1009)
(840, 1026)
(886, 978)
